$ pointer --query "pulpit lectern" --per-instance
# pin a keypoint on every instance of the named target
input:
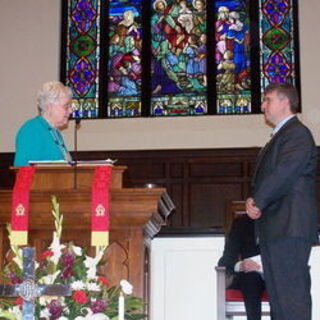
(136, 216)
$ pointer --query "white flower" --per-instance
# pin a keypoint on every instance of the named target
(44, 313)
(93, 316)
(78, 285)
(77, 250)
(126, 287)
(62, 301)
(92, 286)
(50, 278)
(98, 316)
(45, 300)
(91, 264)
(15, 311)
(63, 318)
(66, 309)
(56, 248)
(18, 259)
(12, 313)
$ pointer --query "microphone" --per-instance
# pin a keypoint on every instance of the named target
(75, 156)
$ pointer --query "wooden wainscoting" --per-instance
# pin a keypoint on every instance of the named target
(200, 182)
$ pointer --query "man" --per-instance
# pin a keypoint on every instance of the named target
(241, 259)
(283, 203)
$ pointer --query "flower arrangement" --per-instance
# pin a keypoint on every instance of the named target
(92, 297)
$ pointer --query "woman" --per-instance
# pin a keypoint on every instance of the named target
(39, 139)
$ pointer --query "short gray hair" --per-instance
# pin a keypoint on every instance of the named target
(52, 92)
(287, 90)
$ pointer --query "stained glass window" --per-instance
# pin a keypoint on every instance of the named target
(137, 58)
(124, 63)
(80, 62)
(232, 57)
(277, 57)
(178, 66)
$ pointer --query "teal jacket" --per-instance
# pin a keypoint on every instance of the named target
(37, 140)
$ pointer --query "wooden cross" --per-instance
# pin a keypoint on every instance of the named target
(29, 290)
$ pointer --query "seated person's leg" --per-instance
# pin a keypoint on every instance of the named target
(252, 285)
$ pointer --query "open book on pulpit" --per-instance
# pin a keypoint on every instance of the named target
(54, 163)
(66, 175)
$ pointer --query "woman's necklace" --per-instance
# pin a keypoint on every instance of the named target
(58, 140)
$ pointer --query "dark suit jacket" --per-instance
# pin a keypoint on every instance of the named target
(284, 185)
(240, 243)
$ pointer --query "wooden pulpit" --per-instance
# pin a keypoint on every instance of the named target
(136, 216)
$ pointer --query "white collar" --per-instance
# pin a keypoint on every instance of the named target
(281, 124)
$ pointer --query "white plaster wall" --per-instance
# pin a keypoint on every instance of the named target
(30, 41)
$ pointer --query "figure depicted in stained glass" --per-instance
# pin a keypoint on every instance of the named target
(199, 19)
(179, 55)
(129, 23)
(222, 26)
(193, 64)
(232, 48)
(165, 57)
(191, 53)
(130, 70)
(226, 77)
(237, 39)
(124, 52)
(185, 17)
(202, 59)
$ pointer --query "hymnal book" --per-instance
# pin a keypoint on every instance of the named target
(93, 162)
(45, 163)
(49, 163)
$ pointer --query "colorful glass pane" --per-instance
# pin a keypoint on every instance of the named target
(124, 65)
(82, 56)
(232, 56)
(277, 57)
(187, 68)
(178, 65)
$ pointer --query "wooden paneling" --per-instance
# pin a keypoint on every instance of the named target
(200, 182)
(136, 216)
(207, 202)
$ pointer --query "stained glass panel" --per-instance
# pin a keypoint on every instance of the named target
(124, 64)
(277, 42)
(232, 56)
(178, 66)
(82, 56)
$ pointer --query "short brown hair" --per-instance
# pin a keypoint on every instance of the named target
(287, 90)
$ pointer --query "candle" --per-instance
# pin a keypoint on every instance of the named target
(121, 307)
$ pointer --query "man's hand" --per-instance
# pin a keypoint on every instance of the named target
(248, 265)
(252, 210)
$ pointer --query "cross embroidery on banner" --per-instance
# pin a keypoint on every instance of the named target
(29, 290)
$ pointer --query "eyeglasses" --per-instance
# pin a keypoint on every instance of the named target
(68, 106)
(269, 99)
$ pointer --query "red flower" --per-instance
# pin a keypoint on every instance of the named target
(80, 297)
(46, 254)
(104, 280)
(19, 301)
